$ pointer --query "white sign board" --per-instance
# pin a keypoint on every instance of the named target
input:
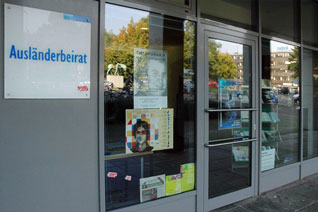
(268, 159)
(47, 54)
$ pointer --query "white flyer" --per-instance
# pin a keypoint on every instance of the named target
(152, 187)
(150, 78)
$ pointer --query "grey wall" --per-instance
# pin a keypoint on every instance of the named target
(49, 148)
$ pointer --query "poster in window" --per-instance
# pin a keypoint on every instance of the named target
(230, 95)
(152, 188)
(149, 130)
(150, 78)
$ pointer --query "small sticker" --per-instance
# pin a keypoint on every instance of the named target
(82, 88)
(112, 174)
(128, 178)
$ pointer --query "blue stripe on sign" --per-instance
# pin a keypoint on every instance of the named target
(71, 17)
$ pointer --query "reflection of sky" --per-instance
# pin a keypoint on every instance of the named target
(42, 18)
(277, 46)
(229, 47)
(118, 17)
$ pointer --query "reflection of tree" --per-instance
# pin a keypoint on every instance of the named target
(120, 48)
(189, 44)
(294, 63)
(221, 65)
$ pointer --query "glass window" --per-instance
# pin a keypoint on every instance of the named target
(310, 22)
(230, 71)
(149, 100)
(281, 18)
(280, 105)
(237, 13)
(310, 104)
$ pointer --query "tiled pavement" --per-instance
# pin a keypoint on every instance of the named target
(299, 196)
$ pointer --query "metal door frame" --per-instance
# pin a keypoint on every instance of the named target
(206, 32)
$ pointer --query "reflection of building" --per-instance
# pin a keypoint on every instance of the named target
(280, 75)
(279, 68)
(238, 59)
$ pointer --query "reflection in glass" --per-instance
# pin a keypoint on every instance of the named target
(137, 32)
(281, 18)
(238, 13)
(309, 22)
(229, 168)
(280, 104)
(229, 88)
(310, 104)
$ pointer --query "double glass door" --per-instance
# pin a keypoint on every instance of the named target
(230, 119)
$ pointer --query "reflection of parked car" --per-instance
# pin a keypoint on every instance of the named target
(284, 90)
(213, 84)
(268, 95)
(188, 86)
(296, 99)
(108, 85)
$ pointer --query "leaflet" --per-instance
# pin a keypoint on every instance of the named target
(152, 187)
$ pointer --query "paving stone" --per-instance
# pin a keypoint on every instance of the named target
(225, 208)
(265, 204)
(311, 208)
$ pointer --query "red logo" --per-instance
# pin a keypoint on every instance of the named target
(82, 88)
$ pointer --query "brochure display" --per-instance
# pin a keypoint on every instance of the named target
(150, 78)
(152, 188)
(47, 54)
(149, 130)
(230, 96)
(270, 134)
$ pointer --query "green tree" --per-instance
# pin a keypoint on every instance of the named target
(221, 65)
(294, 63)
(120, 48)
(189, 44)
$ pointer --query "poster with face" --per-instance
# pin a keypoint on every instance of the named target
(149, 130)
(150, 78)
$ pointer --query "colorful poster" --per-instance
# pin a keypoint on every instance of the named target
(188, 177)
(152, 188)
(149, 130)
(230, 95)
(173, 184)
(150, 78)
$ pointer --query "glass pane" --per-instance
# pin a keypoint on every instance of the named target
(280, 104)
(229, 88)
(229, 168)
(310, 104)
(281, 18)
(149, 102)
(237, 13)
(309, 22)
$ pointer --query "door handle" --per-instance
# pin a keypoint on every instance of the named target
(222, 143)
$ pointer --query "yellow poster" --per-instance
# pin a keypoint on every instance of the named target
(188, 176)
(149, 130)
(173, 184)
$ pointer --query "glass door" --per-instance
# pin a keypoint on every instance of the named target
(230, 119)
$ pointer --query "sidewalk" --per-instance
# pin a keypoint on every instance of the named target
(298, 196)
